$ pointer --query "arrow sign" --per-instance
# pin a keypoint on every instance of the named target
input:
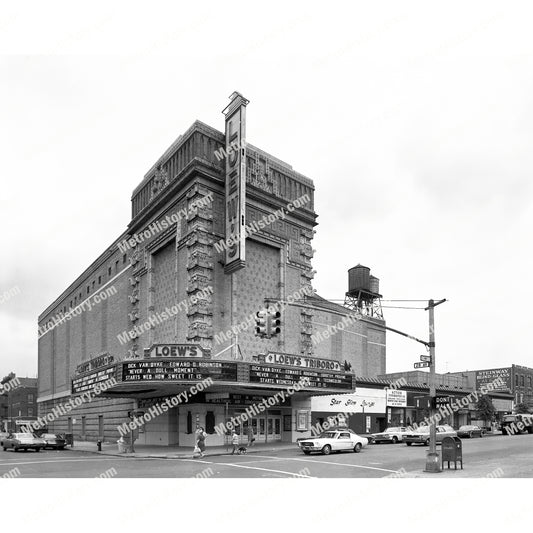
(422, 365)
(425, 358)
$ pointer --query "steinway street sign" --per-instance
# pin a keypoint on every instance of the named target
(422, 365)
(425, 358)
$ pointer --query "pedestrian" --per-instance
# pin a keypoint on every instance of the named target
(200, 440)
(251, 436)
(235, 442)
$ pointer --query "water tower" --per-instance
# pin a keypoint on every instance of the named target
(363, 292)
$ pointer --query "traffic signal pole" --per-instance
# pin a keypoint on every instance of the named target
(432, 458)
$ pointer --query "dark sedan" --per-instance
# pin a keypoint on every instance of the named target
(54, 441)
(470, 432)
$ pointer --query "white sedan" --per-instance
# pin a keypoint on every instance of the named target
(333, 441)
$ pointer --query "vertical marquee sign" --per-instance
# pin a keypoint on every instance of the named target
(235, 182)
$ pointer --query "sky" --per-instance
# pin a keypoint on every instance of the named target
(414, 120)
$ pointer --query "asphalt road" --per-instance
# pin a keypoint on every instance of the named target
(488, 457)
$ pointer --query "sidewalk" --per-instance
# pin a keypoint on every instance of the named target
(145, 451)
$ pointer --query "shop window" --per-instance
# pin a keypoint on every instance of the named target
(189, 422)
(210, 422)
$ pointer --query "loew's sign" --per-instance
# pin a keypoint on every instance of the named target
(235, 183)
(303, 362)
(177, 350)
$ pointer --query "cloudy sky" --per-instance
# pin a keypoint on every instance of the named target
(415, 123)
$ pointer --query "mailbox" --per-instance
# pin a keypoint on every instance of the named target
(452, 450)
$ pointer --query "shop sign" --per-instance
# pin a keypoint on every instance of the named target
(177, 350)
(363, 401)
(396, 398)
(484, 377)
(303, 362)
(95, 363)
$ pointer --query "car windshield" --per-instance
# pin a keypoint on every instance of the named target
(392, 429)
(422, 429)
(22, 435)
(327, 435)
(48, 436)
(466, 428)
(510, 418)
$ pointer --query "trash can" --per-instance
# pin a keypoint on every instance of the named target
(452, 450)
(123, 446)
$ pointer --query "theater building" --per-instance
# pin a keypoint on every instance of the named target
(219, 230)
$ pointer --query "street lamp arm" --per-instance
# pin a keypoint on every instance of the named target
(407, 335)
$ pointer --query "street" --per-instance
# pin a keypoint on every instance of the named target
(506, 457)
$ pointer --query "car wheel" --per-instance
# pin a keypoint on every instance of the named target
(62, 448)
(25, 449)
(481, 435)
(5, 449)
(394, 440)
(37, 449)
(357, 448)
(408, 443)
(326, 450)
(307, 452)
(427, 442)
(470, 435)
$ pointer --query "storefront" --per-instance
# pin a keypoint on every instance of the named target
(362, 411)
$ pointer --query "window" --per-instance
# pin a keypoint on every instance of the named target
(522, 381)
(87, 289)
(529, 381)
(30, 398)
(93, 283)
(124, 259)
(516, 380)
(30, 411)
(109, 271)
(99, 280)
(116, 266)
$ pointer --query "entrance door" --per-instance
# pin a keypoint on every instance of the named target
(274, 428)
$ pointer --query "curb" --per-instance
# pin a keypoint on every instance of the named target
(140, 455)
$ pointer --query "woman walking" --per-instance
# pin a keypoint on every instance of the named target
(200, 440)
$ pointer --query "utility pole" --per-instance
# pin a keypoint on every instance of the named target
(432, 458)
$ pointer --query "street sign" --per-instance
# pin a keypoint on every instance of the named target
(425, 358)
(441, 401)
(422, 365)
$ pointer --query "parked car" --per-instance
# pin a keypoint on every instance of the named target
(333, 441)
(54, 441)
(3, 435)
(470, 431)
(393, 435)
(421, 435)
(23, 441)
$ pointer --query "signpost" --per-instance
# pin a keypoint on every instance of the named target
(422, 365)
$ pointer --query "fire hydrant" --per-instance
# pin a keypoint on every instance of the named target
(99, 444)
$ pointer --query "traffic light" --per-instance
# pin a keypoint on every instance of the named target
(262, 323)
(275, 323)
